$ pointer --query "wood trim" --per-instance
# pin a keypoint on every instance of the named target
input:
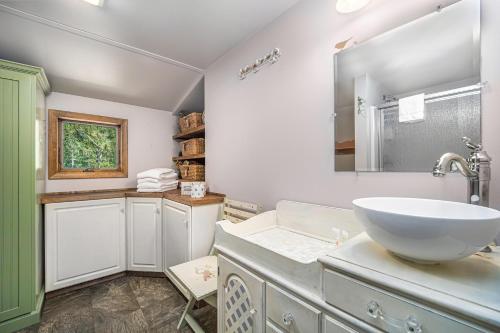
(189, 157)
(54, 166)
(174, 195)
(190, 134)
(38, 72)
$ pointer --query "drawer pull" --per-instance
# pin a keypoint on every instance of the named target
(287, 319)
(409, 325)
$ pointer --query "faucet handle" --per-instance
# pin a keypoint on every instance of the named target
(476, 147)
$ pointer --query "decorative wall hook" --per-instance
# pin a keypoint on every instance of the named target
(271, 58)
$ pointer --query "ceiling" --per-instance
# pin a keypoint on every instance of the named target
(147, 53)
(418, 54)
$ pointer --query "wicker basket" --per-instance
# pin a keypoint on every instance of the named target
(192, 172)
(190, 121)
(193, 147)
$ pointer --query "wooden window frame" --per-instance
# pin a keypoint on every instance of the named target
(55, 170)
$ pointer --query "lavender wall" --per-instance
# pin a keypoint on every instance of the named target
(270, 137)
(150, 142)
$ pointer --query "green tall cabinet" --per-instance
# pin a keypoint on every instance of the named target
(22, 150)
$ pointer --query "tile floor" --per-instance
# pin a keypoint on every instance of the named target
(127, 304)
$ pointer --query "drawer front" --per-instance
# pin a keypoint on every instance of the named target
(384, 310)
(273, 328)
(333, 326)
(289, 313)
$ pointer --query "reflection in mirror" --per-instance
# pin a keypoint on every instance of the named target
(404, 98)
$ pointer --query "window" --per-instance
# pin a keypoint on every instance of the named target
(86, 146)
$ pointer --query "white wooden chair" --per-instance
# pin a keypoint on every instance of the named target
(199, 277)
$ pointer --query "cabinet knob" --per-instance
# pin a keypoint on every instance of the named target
(287, 318)
(373, 309)
(158, 211)
(412, 325)
(409, 325)
(122, 210)
(253, 311)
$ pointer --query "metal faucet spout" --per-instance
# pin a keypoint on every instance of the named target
(445, 162)
(476, 169)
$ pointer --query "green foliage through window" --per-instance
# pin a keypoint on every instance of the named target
(89, 146)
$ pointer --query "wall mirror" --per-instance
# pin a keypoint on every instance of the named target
(401, 101)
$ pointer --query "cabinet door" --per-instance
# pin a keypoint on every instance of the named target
(84, 240)
(144, 246)
(176, 227)
(240, 296)
(16, 197)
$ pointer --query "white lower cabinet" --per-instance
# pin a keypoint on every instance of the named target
(176, 240)
(240, 297)
(249, 303)
(84, 240)
(144, 234)
(188, 232)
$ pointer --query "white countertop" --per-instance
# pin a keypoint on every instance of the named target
(470, 286)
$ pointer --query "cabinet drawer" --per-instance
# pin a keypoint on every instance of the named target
(273, 328)
(290, 313)
(384, 310)
(331, 325)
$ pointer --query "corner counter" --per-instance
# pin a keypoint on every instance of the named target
(174, 195)
(94, 234)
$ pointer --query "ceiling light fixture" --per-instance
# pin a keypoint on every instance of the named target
(349, 6)
(97, 3)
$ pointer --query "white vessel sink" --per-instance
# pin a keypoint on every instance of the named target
(428, 231)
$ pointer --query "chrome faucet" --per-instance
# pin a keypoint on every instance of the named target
(476, 169)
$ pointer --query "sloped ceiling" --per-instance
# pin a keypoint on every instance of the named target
(147, 53)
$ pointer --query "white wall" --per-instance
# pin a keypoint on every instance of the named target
(150, 143)
(270, 137)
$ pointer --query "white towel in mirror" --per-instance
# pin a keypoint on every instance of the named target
(412, 108)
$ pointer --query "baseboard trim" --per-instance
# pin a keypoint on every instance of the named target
(100, 280)
(32, 318)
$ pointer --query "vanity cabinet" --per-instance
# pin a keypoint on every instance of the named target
(84, 240)
(144, 234)
(240, 297)
(386, 311)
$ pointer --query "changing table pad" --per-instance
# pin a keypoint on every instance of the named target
(297, 246)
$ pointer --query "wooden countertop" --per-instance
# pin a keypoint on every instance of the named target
(174, 195)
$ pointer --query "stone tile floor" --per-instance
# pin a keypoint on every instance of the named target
(127, 304)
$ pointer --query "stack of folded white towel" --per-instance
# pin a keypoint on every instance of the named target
(157, 180)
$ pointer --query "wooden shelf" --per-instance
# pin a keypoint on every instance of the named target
(191, 157)
(344, 147)
(193, 133)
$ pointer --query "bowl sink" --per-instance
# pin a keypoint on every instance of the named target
(428, 231)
